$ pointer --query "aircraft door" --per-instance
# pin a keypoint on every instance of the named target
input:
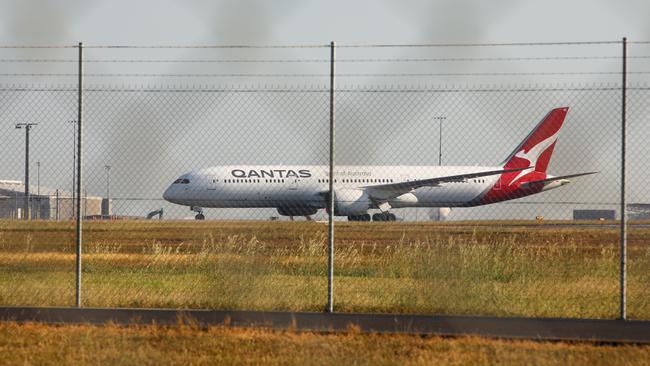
(212, 183)
(497, 185)
(293, 184)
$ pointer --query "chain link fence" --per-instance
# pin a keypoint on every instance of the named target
(238, 138)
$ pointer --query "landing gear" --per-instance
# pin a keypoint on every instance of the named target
(384, 216)
(364, 217)
(199, 212)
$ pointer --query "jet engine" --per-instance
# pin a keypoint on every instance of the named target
(349, 202)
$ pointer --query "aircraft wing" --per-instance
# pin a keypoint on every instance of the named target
(383, 192)
(542, 181)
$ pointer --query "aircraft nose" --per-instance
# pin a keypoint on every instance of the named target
(169, 195)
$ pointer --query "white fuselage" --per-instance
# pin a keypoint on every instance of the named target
(302, 190)
(282, 186)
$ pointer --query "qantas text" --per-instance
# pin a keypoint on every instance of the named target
(272, 173)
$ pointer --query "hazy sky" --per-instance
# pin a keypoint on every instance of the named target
(150, 138)
(304, 21)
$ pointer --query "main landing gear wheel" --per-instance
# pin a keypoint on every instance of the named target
(365, 217)
(384, 216)
(200, 216)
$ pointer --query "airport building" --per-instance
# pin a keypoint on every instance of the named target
(635, 211)
(638, 211)
(46, 203)
(594, 214)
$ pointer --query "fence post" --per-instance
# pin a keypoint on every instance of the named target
(79, 217)
(58, 205)
(330, 203)
(28, 210)
(623, 240)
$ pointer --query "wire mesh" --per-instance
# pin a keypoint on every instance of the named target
(507, 262)
(37, 260)
(637, 192)
(235, 153)
(638, 210)
(199, 196)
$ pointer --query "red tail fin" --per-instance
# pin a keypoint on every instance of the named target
(537, 148)
(535, 152)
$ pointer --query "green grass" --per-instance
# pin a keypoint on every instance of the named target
(453, 268)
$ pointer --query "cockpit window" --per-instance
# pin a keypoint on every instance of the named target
(182, 181)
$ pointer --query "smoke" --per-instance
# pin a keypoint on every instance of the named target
(41, 23)
(430, 22)
(285, 126)
(36, 22)
(146, 134)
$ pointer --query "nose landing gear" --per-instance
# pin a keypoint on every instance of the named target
(199, 212)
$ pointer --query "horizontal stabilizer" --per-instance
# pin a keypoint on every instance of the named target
(547, 180)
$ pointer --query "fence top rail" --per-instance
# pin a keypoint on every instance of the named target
(325, 45)
(322, 60)
(486, 44)
(206, 46)
(289, 88)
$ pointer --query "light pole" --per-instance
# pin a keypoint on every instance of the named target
(27, 127)
(440, 119)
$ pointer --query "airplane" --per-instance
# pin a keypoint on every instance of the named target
(303, 190)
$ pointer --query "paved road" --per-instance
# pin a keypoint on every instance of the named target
(615, 331)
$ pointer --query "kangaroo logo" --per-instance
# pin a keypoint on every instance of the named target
(533, 154)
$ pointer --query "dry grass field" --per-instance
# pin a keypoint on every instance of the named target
(489, 268)
(37, 344)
